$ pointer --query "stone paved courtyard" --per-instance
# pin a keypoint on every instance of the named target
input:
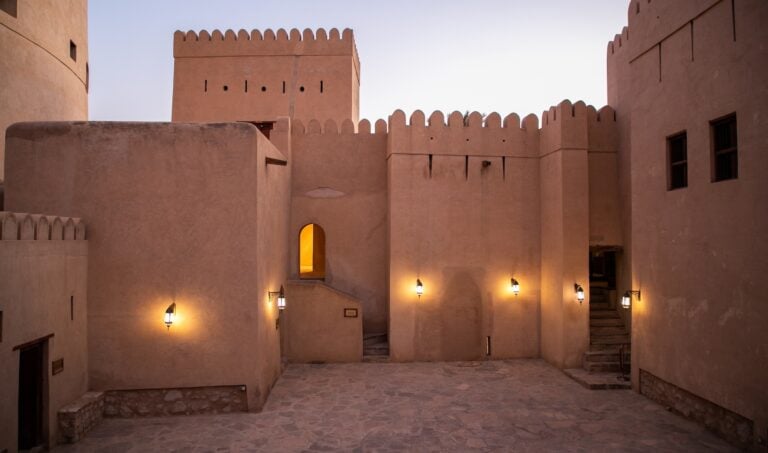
(516, 405)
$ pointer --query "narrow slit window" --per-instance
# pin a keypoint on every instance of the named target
(677, 161)
(725, 163)
(205, 86)
(72, 50)
(321, 86)
(246, 86)
(283, 86)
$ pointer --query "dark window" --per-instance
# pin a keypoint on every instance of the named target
(226, 87)
(321, 86)
(9, 6)
(301, 88)
(725, 163)
(73, 50)
(87, 77)
(677, 161)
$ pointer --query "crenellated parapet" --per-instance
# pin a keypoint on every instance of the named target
(470, 135)
(347, 127)
(268, 43)
(15, 226)
(578, 126)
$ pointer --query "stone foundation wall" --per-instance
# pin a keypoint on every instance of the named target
(731, 426)
(79, 417)
(180, 401)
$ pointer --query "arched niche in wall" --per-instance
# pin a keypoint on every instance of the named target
(312, 252)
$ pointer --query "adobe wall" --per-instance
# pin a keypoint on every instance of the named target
(698, 252)
(43, 276)
(38, 79)
(317, 325)
(339, 181)
(464, 228)
(259, 77)
(177, 212)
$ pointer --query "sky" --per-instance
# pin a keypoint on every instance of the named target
(502, 56)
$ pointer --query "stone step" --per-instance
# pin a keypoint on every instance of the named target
(599, 305)
(610, 339)
(603, 367)
(374, 338)
(602, 314)
(376, 349)
(605, 347)
(376, 358)
(598, 380)
(606, 322)
(606, 355)
(607, 330)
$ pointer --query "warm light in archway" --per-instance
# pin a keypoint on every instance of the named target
(312, 252)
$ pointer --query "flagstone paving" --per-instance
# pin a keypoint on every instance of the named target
(515, 405)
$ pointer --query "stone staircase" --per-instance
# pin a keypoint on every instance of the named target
(375, 347)
(607, 335)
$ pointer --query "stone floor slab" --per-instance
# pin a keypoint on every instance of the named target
(516, 405)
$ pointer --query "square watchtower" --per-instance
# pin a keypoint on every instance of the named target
(257, 78)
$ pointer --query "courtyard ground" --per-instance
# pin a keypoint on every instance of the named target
(515, 405)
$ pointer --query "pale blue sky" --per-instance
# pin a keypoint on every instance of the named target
(502, 55)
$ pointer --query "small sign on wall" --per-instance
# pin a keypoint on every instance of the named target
(350, 312)
(57, 366)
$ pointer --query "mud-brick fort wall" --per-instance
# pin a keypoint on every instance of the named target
(206, 231)
(259, 77)
(43, 277)
(43, 63)
(339, 182)
(476, 202)
(698, 252)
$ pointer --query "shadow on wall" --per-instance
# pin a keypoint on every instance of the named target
(449, 326)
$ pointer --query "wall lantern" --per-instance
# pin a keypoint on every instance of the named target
(280, 297)
(170, 315)
(579, 292)
(419, 288)
(514, 285)
(626, 299)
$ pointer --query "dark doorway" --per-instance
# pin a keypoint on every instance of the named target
(602, 269)
(31, 397)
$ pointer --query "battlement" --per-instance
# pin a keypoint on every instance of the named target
(269, 43)
(37, 227)
(577, 126)
(330, 127)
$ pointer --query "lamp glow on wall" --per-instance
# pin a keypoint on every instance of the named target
(579, 292)
(170, 315)
(626, 299)
(280, 297)
(419, 288)
(514, 286)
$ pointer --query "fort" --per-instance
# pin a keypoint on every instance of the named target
(617, 239)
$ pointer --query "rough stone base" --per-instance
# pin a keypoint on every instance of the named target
(180, 401)
(78, 417)
(729, 425)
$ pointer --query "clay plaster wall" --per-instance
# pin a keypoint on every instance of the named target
(283, 72)
(38, 79)
(464, 228)
(176, 213)
(698, 252)
(315, 328)
(43, 262)
(339, 182)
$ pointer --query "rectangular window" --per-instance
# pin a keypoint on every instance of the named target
(9, 6)
(725, 163)
(677, 161)
(72, 50)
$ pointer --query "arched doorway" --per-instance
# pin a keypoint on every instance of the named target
(312, 252)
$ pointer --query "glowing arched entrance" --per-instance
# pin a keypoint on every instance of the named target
(312, 252)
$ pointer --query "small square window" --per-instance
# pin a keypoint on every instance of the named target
(9, 6)
(677, 161)
(72, 50)
(725, 162)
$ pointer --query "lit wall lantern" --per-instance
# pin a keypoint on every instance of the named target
(626, 299)
(579, 292)
(170, 315)
(419, 288)
(280, 297)
(514, 285)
